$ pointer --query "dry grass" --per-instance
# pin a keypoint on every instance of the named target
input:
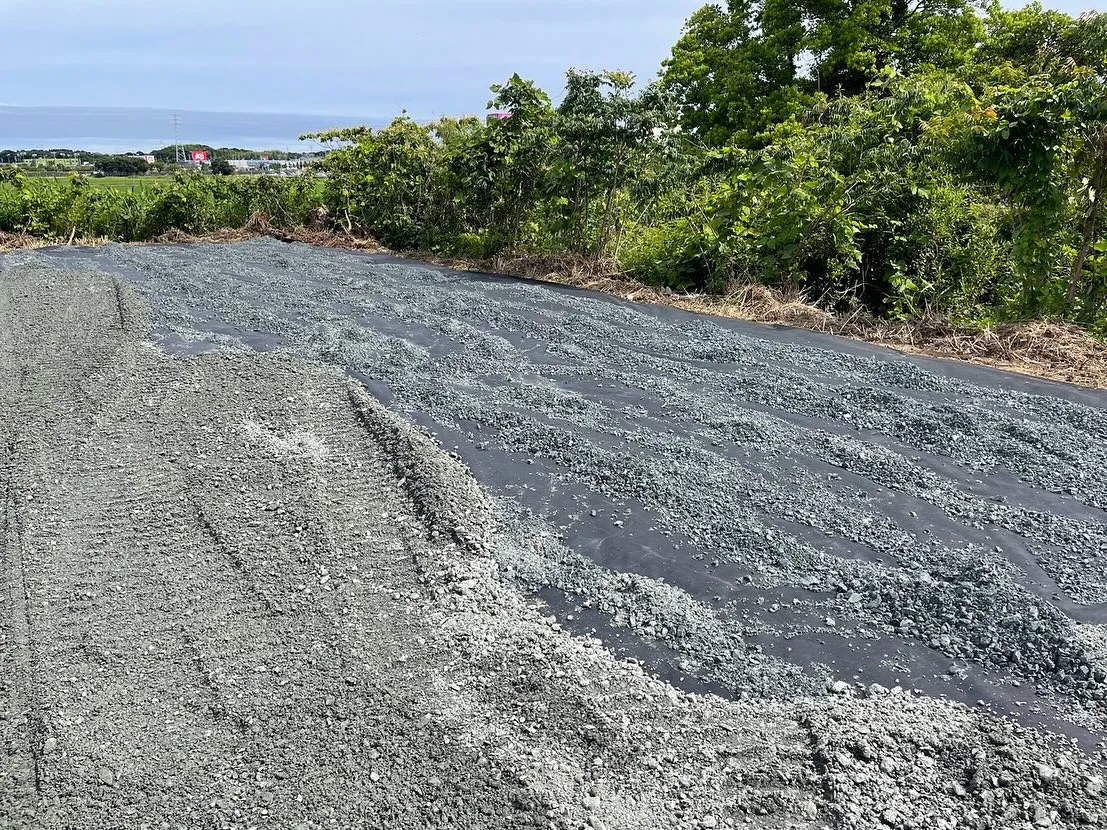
(1057, 351)
(259, 226)
(23, 241)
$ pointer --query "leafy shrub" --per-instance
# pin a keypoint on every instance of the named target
(11, 208)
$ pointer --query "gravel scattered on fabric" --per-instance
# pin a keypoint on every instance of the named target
(248, 553)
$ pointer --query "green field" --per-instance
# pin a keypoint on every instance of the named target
(128, 182)
(106, 182)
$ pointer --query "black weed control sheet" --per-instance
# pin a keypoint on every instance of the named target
(748, 509)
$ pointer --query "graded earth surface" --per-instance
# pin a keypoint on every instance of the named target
(301, 538)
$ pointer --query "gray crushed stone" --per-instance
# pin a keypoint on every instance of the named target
(238, 593)
(937, 517)
(356, 612)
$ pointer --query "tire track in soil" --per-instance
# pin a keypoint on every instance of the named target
(20, 718)
(97, 545)
(17, 762)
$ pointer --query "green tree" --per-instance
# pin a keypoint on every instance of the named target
(122, 166)
(222, 167)
(1038, 139)
(730, 83)
(499, 170)
(606, 136)
(1035, 40)
(738, 70)
(381, 182)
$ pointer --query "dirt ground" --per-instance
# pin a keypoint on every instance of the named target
(238, 592)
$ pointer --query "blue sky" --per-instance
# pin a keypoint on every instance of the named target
(330, 56)
(339, 57)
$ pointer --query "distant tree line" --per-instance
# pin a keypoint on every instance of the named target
(165, 155)
(122, 165)
(169, 154)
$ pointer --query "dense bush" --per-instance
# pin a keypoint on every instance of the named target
(938, 161)
(189, 202)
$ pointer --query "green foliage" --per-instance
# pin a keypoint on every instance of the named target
(1034, 41)
(902, 157)
(605, 137)
(380, 183)
(495, 172)
(732, 83)
(531, 177)
(740, 70)
(122, 166)
(189, 202)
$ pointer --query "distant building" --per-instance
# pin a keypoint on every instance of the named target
(264, 165)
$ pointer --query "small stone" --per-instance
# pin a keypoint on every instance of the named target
(106, 776)
(808, 809)
(709, 821)
(1094, 786)
(890, 817)
(1046, 773)
(840, 687)
(49, 745)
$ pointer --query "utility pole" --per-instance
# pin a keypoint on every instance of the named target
(177, 139)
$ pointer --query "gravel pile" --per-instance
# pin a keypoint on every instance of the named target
(887, 761)
(776, 485)
(238, 593)
(249, 554)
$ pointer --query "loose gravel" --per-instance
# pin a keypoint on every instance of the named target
(248, 554)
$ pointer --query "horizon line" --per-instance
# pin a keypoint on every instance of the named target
(413, 116)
